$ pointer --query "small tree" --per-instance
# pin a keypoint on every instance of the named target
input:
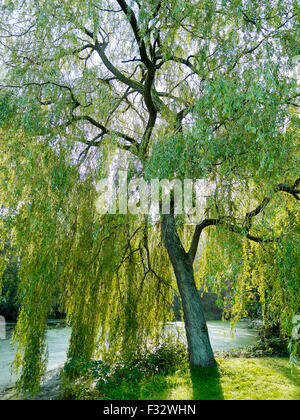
(192, 90)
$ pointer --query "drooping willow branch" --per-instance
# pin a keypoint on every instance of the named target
(293, 190)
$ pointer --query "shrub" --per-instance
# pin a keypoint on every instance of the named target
(122, 378)
(265, 347)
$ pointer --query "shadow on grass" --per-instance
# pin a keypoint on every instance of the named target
(199, 384)
(206, 383)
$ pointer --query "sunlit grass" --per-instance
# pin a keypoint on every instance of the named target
(234, 379)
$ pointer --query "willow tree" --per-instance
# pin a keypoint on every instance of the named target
(168, 89)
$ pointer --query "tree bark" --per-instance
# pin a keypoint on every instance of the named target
(199, 347)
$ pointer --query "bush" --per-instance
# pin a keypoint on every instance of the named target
(265, 347)
(121, 380)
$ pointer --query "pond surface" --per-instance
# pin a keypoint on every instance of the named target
(58, 338)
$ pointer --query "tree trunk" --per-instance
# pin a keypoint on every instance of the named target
(199, 347)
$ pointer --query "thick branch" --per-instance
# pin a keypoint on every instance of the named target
(100, 49)
(293, 190)
(221, 222)
(150, 74)
(151, 109)
(248, 221)
(116, 72)
(151, 97)
(134, 25)
(198, 230)
(255, 212)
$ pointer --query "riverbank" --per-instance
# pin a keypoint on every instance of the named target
(50, 388)
(234, 379)
(58, 339)
(247, 369)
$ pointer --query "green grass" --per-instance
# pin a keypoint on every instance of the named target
(164, 373)
(233, 379)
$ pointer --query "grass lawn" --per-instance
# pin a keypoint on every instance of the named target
(233, 379)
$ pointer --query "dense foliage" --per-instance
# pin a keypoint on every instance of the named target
(122, 378)
(9, 305)
(197, 90)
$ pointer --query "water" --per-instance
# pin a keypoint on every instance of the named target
(58, 338)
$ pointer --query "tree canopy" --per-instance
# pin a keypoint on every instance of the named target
(164, 89)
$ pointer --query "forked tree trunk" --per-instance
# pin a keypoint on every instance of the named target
(199, 347)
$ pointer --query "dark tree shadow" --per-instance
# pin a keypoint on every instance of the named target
(206, 383)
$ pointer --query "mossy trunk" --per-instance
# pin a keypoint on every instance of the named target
(199, 347)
